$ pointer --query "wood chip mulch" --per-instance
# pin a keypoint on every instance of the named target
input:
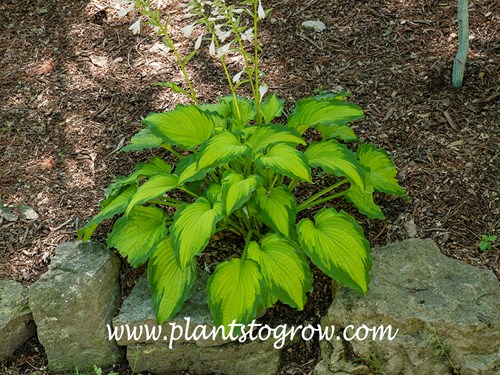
(74, 83)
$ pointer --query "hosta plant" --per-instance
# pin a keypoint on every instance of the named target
(236, 168)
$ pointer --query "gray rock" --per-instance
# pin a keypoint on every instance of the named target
(231, 359)
(196, 355)
(447, 314)
(72, 304)
(16, 322)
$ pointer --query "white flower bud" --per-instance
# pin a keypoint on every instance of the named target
(247, 35)
(260, 11)
(197, 45)
(262, 91)
(237, 77)
(224, 50)
(188, 30)
(211, 50)
(136, 27)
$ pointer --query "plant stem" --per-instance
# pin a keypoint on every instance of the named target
(145, 9)
(243, 52)
(302, 207)
(256, 60)
(182, 65)
(188, 191)
(292, 184)
(168, 147)
(237, 228)
(274, 181)
(247, 242)
(320, 194)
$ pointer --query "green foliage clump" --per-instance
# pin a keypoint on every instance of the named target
(237, 169)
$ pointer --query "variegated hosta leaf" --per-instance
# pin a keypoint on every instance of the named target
(170, 285)
(268, 299)
(185, 126)
(237, 190)
(136, 235)
(336, 159)
(266, 135)
(154, 187)
(336, 244)
(234, 292)
(313, 111)
(285, 270)
(143, 140)
(242, 113)
(155, 166)
(363, 200)
(380, 170)
(286, 161)
(221, 108)
(193, 226)
(220, 149)
(214, 193)
(277, 209)
(339, 131)
(220, 113)
(187, 170)
(114, 206)
(271, 107)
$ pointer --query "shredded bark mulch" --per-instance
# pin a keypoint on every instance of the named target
(74, 84)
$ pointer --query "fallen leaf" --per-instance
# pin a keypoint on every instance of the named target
(100, 61)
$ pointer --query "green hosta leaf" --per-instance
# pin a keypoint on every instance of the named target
(193, 226)
(220, 149)
(380, 170)
(264, 136)
(136, 235)
(340, 131)
(237, 190)
(287, 161)
(277, 208)
(285, 270)
(326, 95)
(336, 244)
(268, 299)
(234, 292)
(242, 113)
(156, 165)
(222, 109)
(187, 171)
(214, 193)
(336, 159)
(114, 206)
(185, 126)
(143, 140)
(313, 111)
(363, 200)
(156, 186)
(271, 107)
(170, 285)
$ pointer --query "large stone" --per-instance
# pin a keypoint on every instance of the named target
(195, 355)
(447, 314)
(16, 322)
(72, 304)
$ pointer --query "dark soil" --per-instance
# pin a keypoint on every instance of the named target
(74, 84)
